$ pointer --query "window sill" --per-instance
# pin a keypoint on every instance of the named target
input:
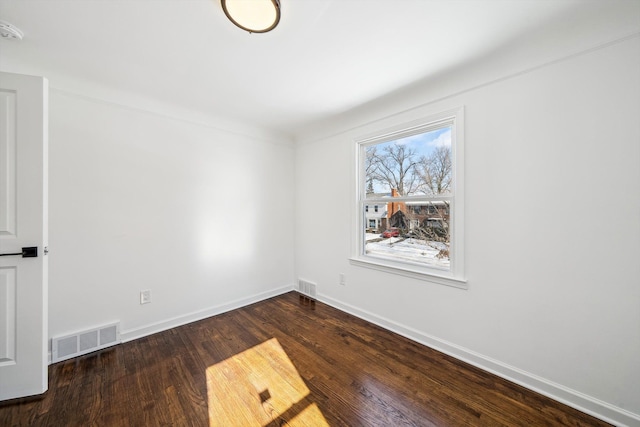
(409, 272)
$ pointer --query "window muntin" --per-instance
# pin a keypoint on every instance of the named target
(412, 172)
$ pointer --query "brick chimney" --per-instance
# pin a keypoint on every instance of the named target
(393, 207)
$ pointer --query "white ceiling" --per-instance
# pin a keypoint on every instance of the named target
(326, 56)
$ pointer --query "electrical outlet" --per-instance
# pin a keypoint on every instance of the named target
(145, 297)
(343, 280)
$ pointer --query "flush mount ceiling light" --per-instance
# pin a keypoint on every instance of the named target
(9, 32)
(254, 16)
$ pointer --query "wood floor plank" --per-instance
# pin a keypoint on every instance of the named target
(283, 361)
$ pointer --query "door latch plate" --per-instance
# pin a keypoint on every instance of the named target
(30, 252)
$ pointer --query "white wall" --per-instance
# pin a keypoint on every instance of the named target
(552, 237)
(200, 216)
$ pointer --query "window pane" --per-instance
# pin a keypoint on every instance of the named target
(414, 165)
(416, 232)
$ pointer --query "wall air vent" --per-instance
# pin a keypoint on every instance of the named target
(307, 288)
(73, 345)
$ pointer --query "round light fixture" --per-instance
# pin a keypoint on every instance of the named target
(9, 32)
(254, 16)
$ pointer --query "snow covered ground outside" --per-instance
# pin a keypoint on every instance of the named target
(406, 249)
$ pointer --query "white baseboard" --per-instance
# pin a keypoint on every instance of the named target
(173, 322)
(580, 401)
(143, 331)
(558, 392)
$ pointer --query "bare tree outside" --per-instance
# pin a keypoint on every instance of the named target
(395, 166)
(433, 226)
(436, 171)
(370, 163)
(415, 168)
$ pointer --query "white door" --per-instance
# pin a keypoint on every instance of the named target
(23, 224)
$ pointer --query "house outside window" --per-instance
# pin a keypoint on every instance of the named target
(375, 218)
(416, 171)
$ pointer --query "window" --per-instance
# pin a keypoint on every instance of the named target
(416, 171)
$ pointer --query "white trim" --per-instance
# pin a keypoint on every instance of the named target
(173, 322)
(416, 127)
(406, 270)
(573, 398)
(143, 331)
(455, 275)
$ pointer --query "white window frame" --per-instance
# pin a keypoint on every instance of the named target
(455, 275)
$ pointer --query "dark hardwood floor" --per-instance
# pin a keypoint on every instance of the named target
(280, 362)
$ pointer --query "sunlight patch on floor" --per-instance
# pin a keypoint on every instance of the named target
(257, 387)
